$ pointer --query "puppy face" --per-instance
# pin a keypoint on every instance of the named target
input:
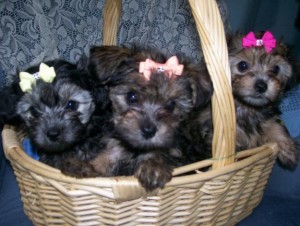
(56, 114)
(148, 110)
(146, 113)
(258, 78)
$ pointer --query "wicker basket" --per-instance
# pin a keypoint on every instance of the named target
(221, 196)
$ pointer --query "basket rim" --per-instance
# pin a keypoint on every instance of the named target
(14, 152)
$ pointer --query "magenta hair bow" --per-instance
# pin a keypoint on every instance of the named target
(171, 67)
(267, 41)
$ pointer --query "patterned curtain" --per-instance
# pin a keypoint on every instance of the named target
(38, 30)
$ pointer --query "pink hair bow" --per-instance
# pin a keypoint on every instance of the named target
(268, 41)
(171, 67)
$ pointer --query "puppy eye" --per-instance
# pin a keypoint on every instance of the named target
(242, 66)
(170, 106)
(276, 69)
(34, 112)
(132, 97)
(72, 105)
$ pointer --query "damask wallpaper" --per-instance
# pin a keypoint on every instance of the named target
(38, 30)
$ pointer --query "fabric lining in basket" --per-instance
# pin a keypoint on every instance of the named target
(221, 196)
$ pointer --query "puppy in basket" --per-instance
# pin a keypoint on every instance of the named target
(260, 73)
(63, 115)
(150, 95)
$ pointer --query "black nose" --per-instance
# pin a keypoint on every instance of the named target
(261, 86)
(148, 131)
(53, 134)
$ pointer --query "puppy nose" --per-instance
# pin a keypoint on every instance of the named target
(260, 86)
(148, 131)
(53, 134)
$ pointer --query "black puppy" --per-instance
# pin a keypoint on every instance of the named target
(64, 118)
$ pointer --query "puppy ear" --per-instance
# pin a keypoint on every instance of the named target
(201, 85)
(105, 61)
(234, 42)
(283, 50)
(294, 80)
(290, 68)
(10, 97)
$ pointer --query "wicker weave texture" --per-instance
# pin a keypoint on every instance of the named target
(221, 196)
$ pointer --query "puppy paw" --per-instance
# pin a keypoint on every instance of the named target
(288, 154)
(152, 174)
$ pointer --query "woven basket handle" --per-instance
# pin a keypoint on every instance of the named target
(214, 47)
(111, 20)
(211, 31)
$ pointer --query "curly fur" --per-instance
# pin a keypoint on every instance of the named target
(146, 113)
(259, 80)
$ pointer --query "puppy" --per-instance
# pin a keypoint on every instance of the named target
(65, 118)
(260, 73)
(150, 95)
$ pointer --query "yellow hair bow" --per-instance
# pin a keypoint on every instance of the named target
(27, 80)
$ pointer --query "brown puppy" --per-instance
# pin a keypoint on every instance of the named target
(260, 75)
(150, 97)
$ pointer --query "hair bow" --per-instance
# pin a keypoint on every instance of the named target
(27, 80)
(171, 67)
(268, 41)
